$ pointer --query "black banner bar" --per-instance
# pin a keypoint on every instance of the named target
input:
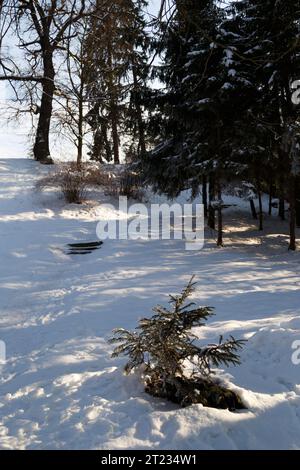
(137, 458)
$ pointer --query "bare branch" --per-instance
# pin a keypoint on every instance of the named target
(22, 78)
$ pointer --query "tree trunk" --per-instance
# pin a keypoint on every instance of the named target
(298, 202)
(80, 129)
(108, 154)
(270, 197)
(113, 106)
(41, 149)
(292, 198)
(211, 194)
(261, 225)
(281, 207)
(298, 212)
(140, 121)
(253, 209)
(204, 194)
(220, 215)
(115, 135)
(79, 151)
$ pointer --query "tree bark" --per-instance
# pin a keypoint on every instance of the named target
(281, 207)
(253, 209)
(140, 121)
(270, 197)
(292, 197)
(107, 146)
(298, 212)
(298, 202)
(260, 215)
(211, 210)
(41, 149)
(79, 148)
(115, 134)
(80, 128)
(204, 194)
(220, 215)
(113, 107)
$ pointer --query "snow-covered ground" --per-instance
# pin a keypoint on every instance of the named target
(60, 388)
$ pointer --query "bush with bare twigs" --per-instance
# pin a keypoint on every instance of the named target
(118, 180)
(70, 179)
(73, 181)
(106, 177)
(131, 185)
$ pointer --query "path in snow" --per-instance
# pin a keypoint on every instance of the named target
(60, 388)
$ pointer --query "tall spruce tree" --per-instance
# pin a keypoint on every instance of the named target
(206, 93)
(117, 67)
(227, 109)
(272, 35)
(190, 76)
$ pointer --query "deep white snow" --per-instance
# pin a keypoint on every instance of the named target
(60, 389)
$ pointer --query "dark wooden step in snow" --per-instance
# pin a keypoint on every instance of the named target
(92, 248)
(85, 245)
(84, 248)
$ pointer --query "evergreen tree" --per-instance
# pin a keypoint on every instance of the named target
(207, 91)
(272, 35)
(187, 49)
(116, 54)
(164, 344)
(227, 110)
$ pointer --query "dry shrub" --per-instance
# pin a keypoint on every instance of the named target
(131, 185)
(117, 180)
(70, 179)
(73, 181)
(107, 178)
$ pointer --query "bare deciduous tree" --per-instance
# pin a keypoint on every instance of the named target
(42, 29)
(72, 94)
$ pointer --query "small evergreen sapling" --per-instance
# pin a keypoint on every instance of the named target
(174, 365)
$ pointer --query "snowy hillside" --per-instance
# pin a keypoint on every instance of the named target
(60, 389)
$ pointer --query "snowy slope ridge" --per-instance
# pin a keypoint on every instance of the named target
(60, 389)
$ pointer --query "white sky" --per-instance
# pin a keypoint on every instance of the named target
(14, 141)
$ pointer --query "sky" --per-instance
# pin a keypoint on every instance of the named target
(14, 137)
